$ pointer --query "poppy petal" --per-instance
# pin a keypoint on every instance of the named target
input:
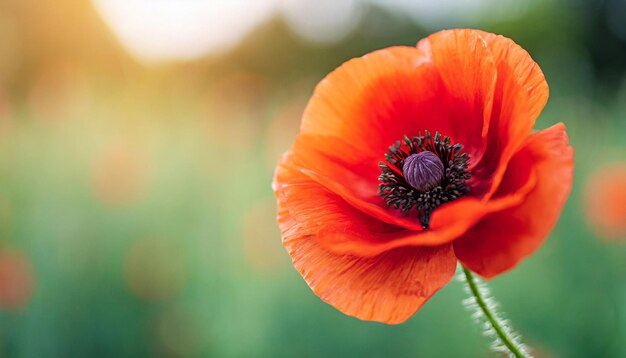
(468, 71)
(359, 184)
(502, 240)
(447, 224)
(343, 229)
(521, 94)
(369, 103)
(374, 100)
(318, 209)
(388, 288)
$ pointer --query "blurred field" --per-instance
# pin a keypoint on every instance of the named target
(137, 218)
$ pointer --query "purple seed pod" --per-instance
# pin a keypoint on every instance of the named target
(423, 170)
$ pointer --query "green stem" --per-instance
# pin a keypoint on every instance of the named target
(498, 326)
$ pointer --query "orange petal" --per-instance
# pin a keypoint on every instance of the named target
(468, 71)
(342, 228)
(388, 288)
(368, 103)
(319, 210)
(359, 180)
(448, 223)
(520, 95)
(372, 101)
(503, 239)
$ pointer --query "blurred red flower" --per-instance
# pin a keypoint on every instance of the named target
(120, 174)
(377, 238)
(605, 201)
(16, 280)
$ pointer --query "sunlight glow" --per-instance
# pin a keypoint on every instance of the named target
(322, 20)
(181, 29)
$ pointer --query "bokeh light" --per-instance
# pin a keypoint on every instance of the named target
(16, 280)
(55, 86)
(187, 29)
(605, 201)
(120, 174)
(322, 20)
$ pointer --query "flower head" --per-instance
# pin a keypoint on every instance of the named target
(411, 158)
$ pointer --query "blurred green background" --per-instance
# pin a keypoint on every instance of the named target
(137, 144)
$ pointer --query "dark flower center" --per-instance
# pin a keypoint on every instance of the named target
(422, 173)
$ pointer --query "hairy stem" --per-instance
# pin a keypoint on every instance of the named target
(485, 310)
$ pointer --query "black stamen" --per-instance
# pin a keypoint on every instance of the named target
(424, 195)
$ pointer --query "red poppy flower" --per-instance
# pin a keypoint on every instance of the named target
(409, 159)
(605, 202)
